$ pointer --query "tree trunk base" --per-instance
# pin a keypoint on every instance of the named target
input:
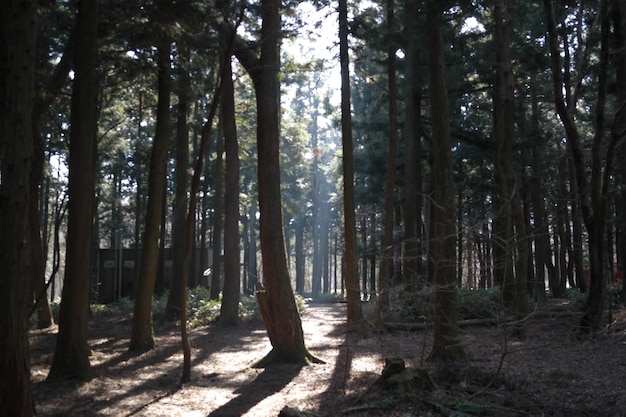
(275, 358)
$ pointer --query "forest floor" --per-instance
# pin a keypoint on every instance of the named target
(547, 374)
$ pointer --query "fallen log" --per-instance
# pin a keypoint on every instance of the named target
(491, 321)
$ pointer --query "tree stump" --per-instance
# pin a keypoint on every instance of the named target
(396, 376)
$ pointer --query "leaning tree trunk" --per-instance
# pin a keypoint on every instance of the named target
(276, 301)
(71, 356)
(17, 76)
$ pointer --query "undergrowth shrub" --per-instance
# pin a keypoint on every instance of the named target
(471, 304)
(478, 303)
(200, 308)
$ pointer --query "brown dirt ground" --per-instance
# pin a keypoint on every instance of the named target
(547, 374)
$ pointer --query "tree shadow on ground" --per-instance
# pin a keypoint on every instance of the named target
(268, 383)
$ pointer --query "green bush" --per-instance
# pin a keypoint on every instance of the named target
(478, 303)
(471, 304)
(200, 308)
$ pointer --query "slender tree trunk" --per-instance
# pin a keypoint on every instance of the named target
(142, 335)
(48, 91)
(17, 78)
(384, 278)
(37, 259)
(300, 255)
(592, 192)
(446, 345)
(229, 313)
(218, 212)
(179, 230)
(138, 171)
(619, 23)
(355, 314)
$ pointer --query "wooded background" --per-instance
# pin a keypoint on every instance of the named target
(473, 144)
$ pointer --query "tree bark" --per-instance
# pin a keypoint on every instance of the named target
(229, 313)
(619, 23)
(71, 356)
(355, 313)
(446, 345)
(384, 278)
(276, 302)
(142, 334)
(179, 229)
(218, 219)
(17, 77)
(504, 115)
(592, 193)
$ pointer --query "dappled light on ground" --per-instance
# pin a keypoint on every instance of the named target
(546, 374)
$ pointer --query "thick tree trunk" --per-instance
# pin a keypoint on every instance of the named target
(446, 345)
(504, 115)
(71, 356)
(355, 313)
(142, 335)
(276, 301)
(17, 48)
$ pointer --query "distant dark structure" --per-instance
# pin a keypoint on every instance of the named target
(118, 269)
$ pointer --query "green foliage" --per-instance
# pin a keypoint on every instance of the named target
(577, 299)
(200, 308)
(471, 304)
(479, 304)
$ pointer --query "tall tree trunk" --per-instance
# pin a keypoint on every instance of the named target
(276, 302)
(355, 314)
(17, 78)
(179, 230)
(142, 335)
(138, 171)
(48, 91)
(384, 278)
(229, 313)
(218, 219)
(446, 345)
(504, 115)
(619, 23)
(71, 356)
(300, 259)
(592, 193)
(37, 259)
